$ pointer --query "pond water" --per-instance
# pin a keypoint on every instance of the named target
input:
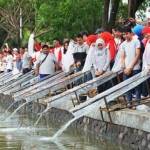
(18, 133)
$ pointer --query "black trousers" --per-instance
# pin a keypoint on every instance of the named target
(26, 70)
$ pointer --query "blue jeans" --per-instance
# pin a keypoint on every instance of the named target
(9, 70)
(88, 77)
(136, 90)
(42, 76)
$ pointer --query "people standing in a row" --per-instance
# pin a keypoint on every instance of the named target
(15, 61)
(121, 50)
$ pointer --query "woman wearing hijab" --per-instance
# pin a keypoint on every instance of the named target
(98, 57)
(110, 43)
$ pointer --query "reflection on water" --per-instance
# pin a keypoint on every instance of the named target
(18, 133)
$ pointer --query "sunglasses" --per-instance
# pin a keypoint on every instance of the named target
(100, 44)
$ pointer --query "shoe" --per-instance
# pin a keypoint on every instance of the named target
(133, 96)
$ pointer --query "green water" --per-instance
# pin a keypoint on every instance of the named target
(18, 133)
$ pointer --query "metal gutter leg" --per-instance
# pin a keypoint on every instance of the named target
(109, 115)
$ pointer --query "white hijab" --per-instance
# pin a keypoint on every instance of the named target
(90, 56)
(100, 41)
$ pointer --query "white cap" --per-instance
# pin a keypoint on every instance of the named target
(15, 49)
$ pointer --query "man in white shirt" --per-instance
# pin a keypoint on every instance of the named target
(46, 63)
(130, 60)
(80, 52)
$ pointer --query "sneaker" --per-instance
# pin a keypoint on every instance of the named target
(133, 96)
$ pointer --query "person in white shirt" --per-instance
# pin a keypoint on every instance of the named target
(4, 61)
(26, 60)
(80, 52)
(98, 57)
(119, 40)
(46, 63)
(146, 55)
(9, 61)
(130, 60)
(16, 61)
(65, 57)
(35, 56)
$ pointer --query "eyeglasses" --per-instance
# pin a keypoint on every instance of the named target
(100, 44)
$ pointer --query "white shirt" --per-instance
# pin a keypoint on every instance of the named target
(48, 66)
(67, 60)
(26, 60)
(146, 56)
(35, 56)
(100, 59)
(81, 48)
(2, 67)
(129, 48)
(4, 63)
(9, 62)
(117, 65)
(56, 52)
(15, 70)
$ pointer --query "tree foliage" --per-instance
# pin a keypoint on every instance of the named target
(10, 16)
(64, 18)
(51, 19)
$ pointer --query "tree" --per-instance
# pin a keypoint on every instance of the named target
(51, 19)
(113, 14)
(110, 13)
(9, 17)
(65, 18)
(133, 6)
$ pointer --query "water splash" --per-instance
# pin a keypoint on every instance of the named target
(77, 115)
(63, 128)
(41, 115)
(11, 105)
(23, 129)
(21, 106)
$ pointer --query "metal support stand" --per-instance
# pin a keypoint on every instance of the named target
(101, 112)
(109, 115)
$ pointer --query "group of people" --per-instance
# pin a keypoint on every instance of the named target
(126, 48)
(15, 60)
